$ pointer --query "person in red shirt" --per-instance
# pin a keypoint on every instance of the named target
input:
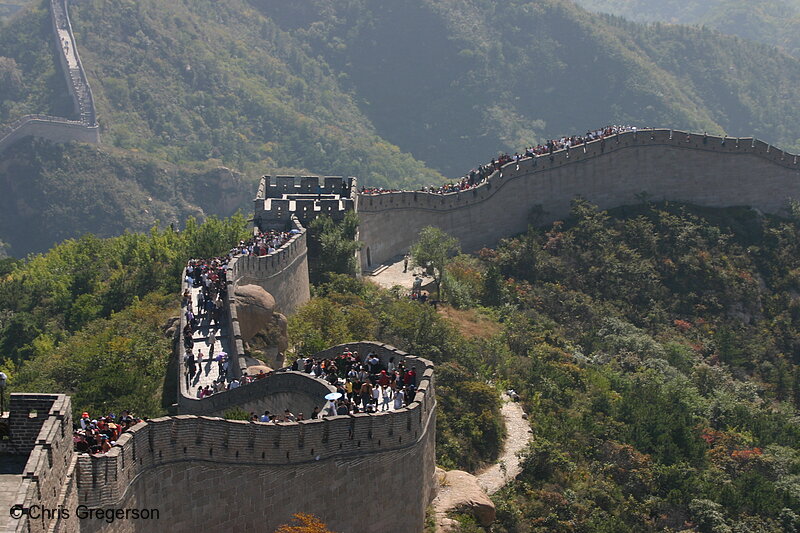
(411, 377)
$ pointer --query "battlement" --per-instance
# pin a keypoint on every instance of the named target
(305, 197)
(662, 164)
(40, 426)
(301, 458)
(593, 149)
(283, 273)
(280, 186)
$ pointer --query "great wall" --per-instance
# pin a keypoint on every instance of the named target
(198, 468)
(83, 127)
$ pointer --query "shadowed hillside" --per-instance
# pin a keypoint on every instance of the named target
(55, 192)
(775, 22)
(452, 81)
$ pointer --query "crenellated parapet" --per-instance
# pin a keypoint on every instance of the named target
(658, 164)
(305, 197)
(283, 273)
(327, 466)
(40, 428)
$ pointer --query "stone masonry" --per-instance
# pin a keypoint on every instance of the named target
(620, 170)
(196, 469)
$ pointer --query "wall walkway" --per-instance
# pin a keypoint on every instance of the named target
(221, 472)
(619, 170)
(284, 274)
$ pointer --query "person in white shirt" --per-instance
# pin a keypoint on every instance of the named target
(399, 396)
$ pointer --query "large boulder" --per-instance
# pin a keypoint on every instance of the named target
(459, 491)
(255, 308)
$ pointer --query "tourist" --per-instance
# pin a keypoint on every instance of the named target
(211, 341)
(399, 398)
(386, 398)
(482, 173)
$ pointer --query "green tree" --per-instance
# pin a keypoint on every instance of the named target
(432, 251)
(332, 246)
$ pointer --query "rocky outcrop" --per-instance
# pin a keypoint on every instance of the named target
(255, 308)
(459, 491)
(256, 311)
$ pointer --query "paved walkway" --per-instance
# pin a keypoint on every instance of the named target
(391, 273)
(11, 467)
(518, 431)
(208, 370)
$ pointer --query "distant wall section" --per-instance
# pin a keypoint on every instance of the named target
(662, 164)
(59, 129)
(53, 129)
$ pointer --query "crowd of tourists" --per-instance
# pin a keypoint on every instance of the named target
(565, 143)
(225, 382)
(478, 175)
(364, 386)
(100, 434)
(265, 242)
(210, 276)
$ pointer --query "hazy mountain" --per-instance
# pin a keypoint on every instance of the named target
(775, 22)
(54, 192)
(450, 81)
(395, 93)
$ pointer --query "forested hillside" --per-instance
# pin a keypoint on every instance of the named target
(449, 81)
(774, 22)
(396, 94)
(31, 80)
(10, 7)
(195, 80)
(657, 352)
(55, 192)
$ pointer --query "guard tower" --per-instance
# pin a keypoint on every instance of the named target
(306, 197)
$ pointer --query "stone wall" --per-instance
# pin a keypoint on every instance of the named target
(60, 129)
(306, 197)
(363, 472)
(47, 439)
(71, 66)
(662, 164)
(55, 129)
(275, 393)
(284, 273)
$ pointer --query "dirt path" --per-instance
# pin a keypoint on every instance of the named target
(492, 478)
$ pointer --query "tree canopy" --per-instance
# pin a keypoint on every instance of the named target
(432, 251)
